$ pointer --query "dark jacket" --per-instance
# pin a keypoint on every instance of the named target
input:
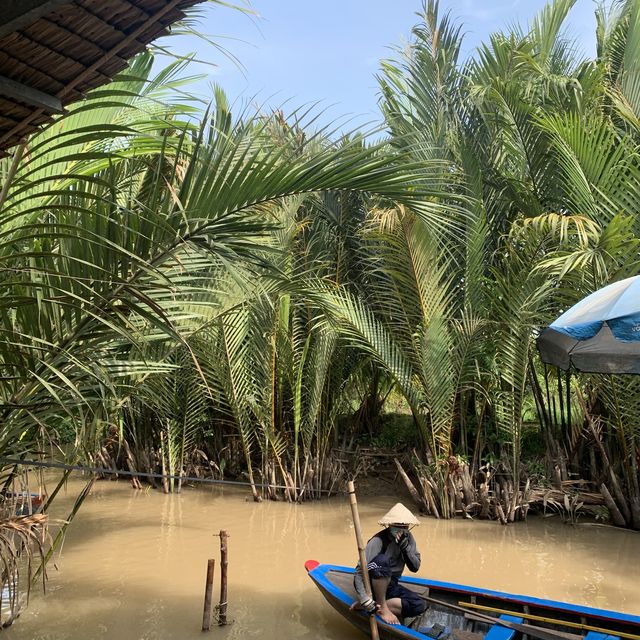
(383, 542)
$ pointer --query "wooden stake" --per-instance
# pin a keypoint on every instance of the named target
(222, 607)
(208, 592)
(361, 552)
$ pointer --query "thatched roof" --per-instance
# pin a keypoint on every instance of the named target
(53, 51)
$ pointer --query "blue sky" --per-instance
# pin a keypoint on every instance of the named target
(300, 52)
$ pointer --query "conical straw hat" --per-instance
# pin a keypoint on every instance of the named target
(399, 514)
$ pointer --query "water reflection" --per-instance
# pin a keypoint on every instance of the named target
(134, 564)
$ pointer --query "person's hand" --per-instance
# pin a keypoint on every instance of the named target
(403, 542)
(369, 606)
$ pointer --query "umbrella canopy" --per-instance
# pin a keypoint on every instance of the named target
(600, 334)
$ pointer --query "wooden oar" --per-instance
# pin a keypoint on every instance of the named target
(363, 558)
(530, 630)
(566, 623)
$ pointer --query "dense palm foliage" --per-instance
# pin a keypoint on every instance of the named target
(130, 233)
(543, 145)
(241, 293)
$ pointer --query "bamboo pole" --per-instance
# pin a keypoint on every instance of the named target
(530, 630)
(208, 593)
(165, 483)
(363, 558)
(566, 623)
(224, 563)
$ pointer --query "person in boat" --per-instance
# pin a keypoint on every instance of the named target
(387, 554)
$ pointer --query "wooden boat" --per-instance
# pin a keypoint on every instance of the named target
(472, 613)
(26, 503)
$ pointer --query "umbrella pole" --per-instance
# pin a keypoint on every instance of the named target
(561, 401)
(568, 385)
(552, 413)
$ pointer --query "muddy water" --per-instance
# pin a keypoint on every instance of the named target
(134, 564)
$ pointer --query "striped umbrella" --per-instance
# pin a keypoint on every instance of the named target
(600, 334)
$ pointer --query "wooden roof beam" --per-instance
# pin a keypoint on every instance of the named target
(17, 14)
(63, 93)
(30, 96)
(128, 39)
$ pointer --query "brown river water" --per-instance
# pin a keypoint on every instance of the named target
(133, 564)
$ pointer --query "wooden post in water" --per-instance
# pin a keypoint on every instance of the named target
(363, 558)
(208, 592)
(222, 607)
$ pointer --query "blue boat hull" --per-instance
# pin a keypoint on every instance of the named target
(335, 584)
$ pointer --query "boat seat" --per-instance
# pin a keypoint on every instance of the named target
(502, 633)
(595, 635)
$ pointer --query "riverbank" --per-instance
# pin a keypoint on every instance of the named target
(134, 563)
